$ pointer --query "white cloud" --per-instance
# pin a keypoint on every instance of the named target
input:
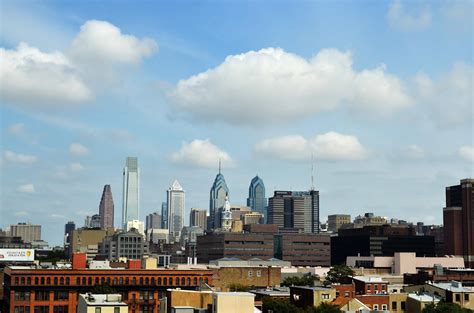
(21, 213)
(450, 97)
(399, 18)
(414, 152)
(36, 78)
(460, 12)
(201, 153)
(13, 157)
(27, 188)
(330, 146)
(467, 153)
(273, 85)
(16, 129)
(76, 167)
(57, 216)
(77, 149)
(100, 41)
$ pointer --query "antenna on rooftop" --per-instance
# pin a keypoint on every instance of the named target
(312, 171)
(219, 165)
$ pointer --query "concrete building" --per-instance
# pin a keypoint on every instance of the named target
(131, 191)
(157, 235)
(304, 297)
(106, 208)
(27, 231)
(252, 218)
(130, 245)
(458, 216)
(369, 219)
(404, 262)
(257, 200)
(295, 209)
(450, 292)
(335, 221)
(233, 302)
(137, 225)
(175, 204)
(303, 249)
(197, 217)
(87, 240)
(101, 303)
(153, 221)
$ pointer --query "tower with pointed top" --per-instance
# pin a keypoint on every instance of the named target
(256, 200)
(106, 208)
(175, 203)
(219, 192)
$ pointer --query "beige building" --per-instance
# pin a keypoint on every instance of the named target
(335, 221)
(452, 292)
(87, 240)
(304, 297)
(101, 303)
(417, 302)
(397, 302)
(233, 302)
(252, 218)
(188, 298)
(404, 262)
(27, 232)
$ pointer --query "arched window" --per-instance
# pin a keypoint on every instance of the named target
(126, 280)
(78, 280)
(205, 279)
(36, 280)
(153, 280)
(90, 281)
(165, 281)
(188, 281)
(147, 281)
(141, 280)
(177, 281)
(48, 281)
(121, 280)
(102, 280)
(183, 281)
(61, 281)
(22, 280)
(134, 281)
(108, 280)
(84, 281)
(55, 281)
(159, 281)
(42, 280)
(28, 280)
(97, 280)
(115, 281)
(68, 281)
(200, 280)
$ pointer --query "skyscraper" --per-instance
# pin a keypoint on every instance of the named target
(295, 209)
(256, 200)
(164, 215)
(153, 221)
(458, 219)
(131, 186)
(175, 204)
(198, 218)
(106, 208)
(27, 232)
(219, 192)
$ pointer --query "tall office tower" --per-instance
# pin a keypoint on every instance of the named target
(256, 200)
(175, 204)
(164, 215)
(131, 194)
(458, 218)
(27, 232)
(295, 209)
(198, 218)
(153, 221)
(68, 228)
(106, 208)
(219, 192)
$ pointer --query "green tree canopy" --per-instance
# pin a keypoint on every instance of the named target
(339, 274)
(306, 280)
(443, 307)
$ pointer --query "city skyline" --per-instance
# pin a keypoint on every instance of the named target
(188, 90)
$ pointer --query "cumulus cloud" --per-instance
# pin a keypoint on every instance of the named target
(450, 97)
(27, 188)
(413, 152)
(33, 77)
(467, 153)
(399, 18)
(13, 157)
(77, 149)
(36, 78)
(101, 41)
(16, 129)
(274, 85)
(331, 146)
(76, 167)
(201, 153)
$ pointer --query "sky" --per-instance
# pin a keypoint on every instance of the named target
(379, 94)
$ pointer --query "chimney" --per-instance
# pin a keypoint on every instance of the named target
(79, 261)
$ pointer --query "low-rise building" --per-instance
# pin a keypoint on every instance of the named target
(100, 303)
(304, 297)
(450, 292)
(259, 277)
(367, 285)
(233, 302)
(416, 302)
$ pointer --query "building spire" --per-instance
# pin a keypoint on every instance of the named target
(219, 165)
(312, 171)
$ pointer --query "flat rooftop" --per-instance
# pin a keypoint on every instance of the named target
(103, 299)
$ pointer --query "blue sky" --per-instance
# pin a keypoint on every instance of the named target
(380, 92)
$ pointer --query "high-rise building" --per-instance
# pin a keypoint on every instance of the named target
(175, 204)
(335, 221)
(131, 194)
(106, 208)
(153, 221)
(198, 217)
(27, 232)
(219, 192)
(68, 228)
(92, 221)
(256, 200)
(295, 209)
(164, 215)
(458, 216)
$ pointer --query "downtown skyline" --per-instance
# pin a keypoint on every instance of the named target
(389, 150)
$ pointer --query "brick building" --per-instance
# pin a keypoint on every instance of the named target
(303, 249)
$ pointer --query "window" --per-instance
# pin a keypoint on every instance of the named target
(394, 305)
(116, 309)
(42, 295)
(22, 309)
(384, 287)
(194, 281)
(61, 295)
(402, 305)
(61, 281)
(22, 295)
(177, 281)
(466, 297)
(183, 281)
(259, 273)
(41, 309)
(376, 307)
(250, 274)
(97, 310)
(188, 281)
(60, 309)
(325, 296)
(42, 280)
(384, 307)
(36, 280)
(376, 287)
(55, 281)
(48, 281)
(368, 287)
(458, 297)
(347, 294)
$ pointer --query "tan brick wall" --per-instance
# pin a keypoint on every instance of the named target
(247, 276)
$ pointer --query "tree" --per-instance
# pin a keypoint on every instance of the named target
(325, 308)
(443, 307)
(307, 280)
(339, 274)
(103, 289)
(279, 306)
(238, 287)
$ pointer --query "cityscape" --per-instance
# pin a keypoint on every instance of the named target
(237, 157)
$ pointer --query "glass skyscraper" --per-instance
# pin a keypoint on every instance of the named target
(256, 200)
(175, 204)
(131, 186)
(218, 194)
